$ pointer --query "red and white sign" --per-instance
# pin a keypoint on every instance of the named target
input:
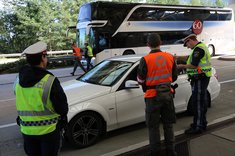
(197, 26)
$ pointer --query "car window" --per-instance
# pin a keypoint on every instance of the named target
(131, 76)
(106, 73)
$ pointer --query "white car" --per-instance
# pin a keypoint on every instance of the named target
(108, 97)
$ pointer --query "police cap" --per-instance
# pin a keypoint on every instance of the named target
(36, 48)
(191, 36)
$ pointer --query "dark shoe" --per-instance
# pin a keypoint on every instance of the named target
(193, 131)
(72, 74)
(171, 153)
(151, 153)
(204, 128)
(192, 125)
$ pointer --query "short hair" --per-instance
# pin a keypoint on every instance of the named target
(154, 40)
(34, 59)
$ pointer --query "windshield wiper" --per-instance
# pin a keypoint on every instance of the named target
(90, 81)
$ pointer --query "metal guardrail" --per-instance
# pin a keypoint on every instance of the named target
(67, 52)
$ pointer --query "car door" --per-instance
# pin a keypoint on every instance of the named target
(130, 102)
(183, 91)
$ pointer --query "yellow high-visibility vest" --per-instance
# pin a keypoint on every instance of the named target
(35, 109)
(204, 65)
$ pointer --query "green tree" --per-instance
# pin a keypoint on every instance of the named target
(196, 2)
(219, 3)
(34, 20)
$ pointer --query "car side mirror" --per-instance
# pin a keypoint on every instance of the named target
(131, 84)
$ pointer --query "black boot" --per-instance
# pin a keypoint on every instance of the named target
(171, 153)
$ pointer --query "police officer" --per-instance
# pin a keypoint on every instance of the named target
(41, 104)
(77, 58)
(88, 55)
(198, 68)
(156, 72)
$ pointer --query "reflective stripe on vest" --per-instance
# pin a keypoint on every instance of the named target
(35, 109)
(204, 65)
(39, 123)
(159, 70)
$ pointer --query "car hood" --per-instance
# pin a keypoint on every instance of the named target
(77, 91)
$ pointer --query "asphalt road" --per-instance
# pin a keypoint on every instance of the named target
(10, 137)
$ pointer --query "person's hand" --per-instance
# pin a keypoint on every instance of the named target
(63, 122)
(175, 57)
(180, 66)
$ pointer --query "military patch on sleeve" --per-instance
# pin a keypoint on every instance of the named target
(196, 54)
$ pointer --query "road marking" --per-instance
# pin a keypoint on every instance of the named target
(7, 125)
(14, 124)
(227, 81)
(7, 100)
(146, 142)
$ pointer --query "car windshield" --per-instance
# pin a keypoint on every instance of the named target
(106, 73)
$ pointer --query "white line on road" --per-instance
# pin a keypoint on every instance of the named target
(7, 125)
(13, 124)
(146, 142)
(7, 100)
(227, 81)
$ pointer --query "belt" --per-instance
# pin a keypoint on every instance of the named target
(162, 84)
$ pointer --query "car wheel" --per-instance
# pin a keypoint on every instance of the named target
(85, 129)
(190, 104)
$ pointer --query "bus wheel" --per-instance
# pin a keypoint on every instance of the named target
(211, 50)
(128, 52)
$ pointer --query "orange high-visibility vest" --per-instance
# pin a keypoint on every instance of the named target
(76, 51)
(159, 71)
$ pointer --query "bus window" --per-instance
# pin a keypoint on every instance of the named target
(84, 13)
(81, 37)
(224, 16)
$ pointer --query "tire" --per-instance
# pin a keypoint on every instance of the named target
(211, 49)
(190, 104)
(128, 52)
(85, 129)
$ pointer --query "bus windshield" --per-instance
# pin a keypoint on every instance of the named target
(81, 37)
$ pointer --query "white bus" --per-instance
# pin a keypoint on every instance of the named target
(125, 26)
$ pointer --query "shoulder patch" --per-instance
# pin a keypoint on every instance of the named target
(196, 54)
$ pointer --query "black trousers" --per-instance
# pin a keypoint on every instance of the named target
(43, 145)
(77, 62)
(160, 109)
(89, 63)
(199, 97)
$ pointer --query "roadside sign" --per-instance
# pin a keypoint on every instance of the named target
(197, 26)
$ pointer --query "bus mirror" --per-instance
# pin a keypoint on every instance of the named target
(68, 29)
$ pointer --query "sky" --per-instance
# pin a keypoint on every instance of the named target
(1, 5)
